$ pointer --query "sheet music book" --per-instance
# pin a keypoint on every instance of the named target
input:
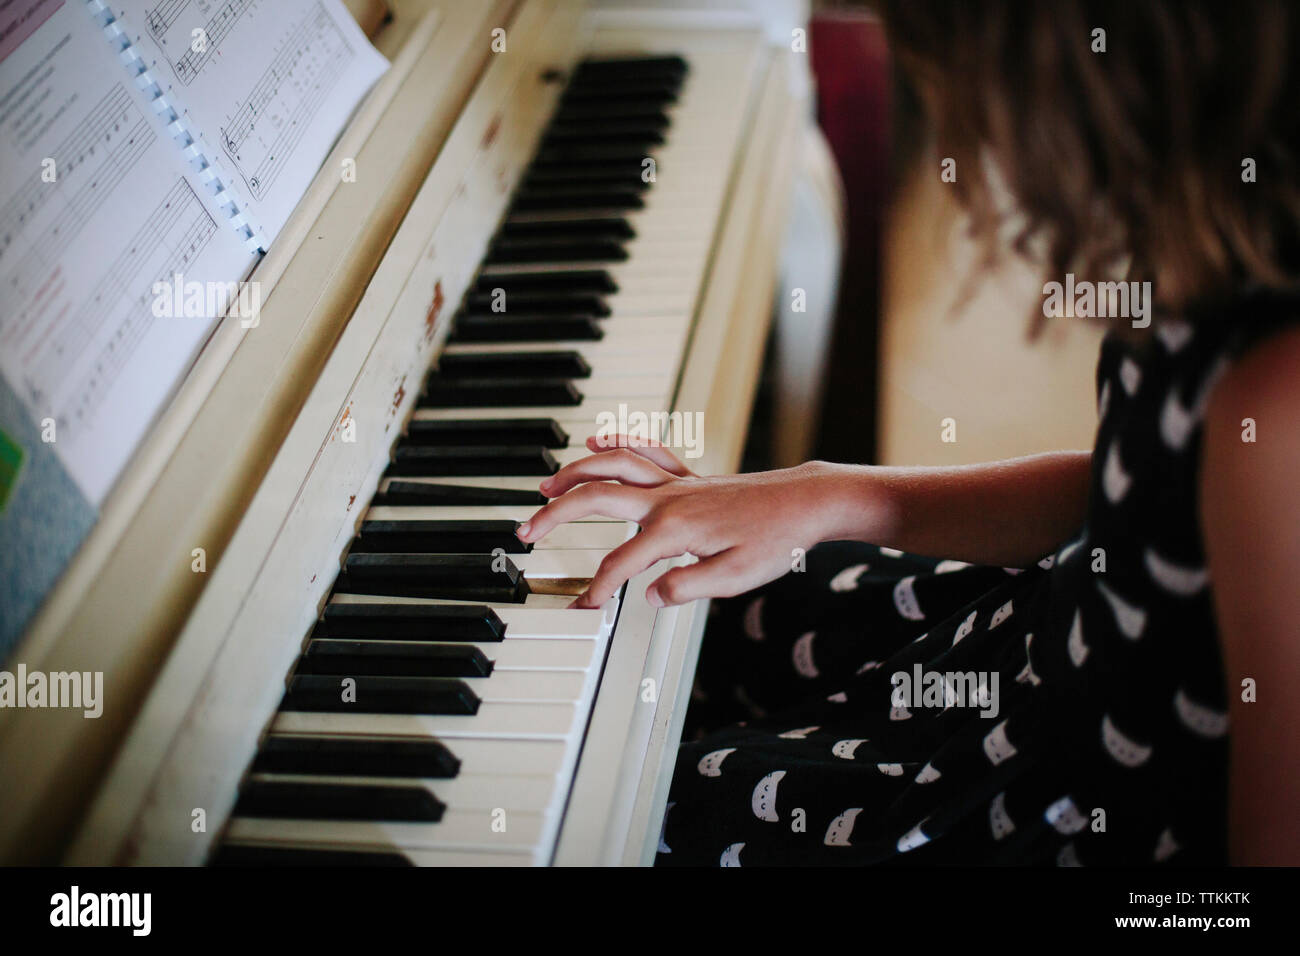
(150, 150)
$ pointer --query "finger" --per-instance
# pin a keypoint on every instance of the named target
(622, 465)
(646, 448)
(611, 501)
(721, 575)
(627, 561)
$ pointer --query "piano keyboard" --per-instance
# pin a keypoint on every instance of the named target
(437, 712)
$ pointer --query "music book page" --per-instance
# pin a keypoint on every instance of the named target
(264, 85)
(100, 211)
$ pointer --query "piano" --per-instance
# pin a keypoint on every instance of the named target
(322, 642)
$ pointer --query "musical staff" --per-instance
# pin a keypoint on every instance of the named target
(261, 135)
(178, 45)
(88, 164)
(164, 15)
(118, 314)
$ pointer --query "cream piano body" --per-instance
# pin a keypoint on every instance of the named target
(250, 463)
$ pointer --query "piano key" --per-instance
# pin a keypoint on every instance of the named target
(599, 69)
(567, 281)
(442, 536)
(295, 799)
(523, 720)
(554, 654)
(506, 431)
(409, 658)
(610, 364)
(570, 126)
(536, 302)
(617, 111)
(514, 622)
(609, 227)
(493, 393)
(467, 791)
(261, 855)
(355, 756)
(525, 328)
(327, 693)
(458, 828)
(428, 493)
(412, 622)
(594, 532)
(604, 196)
(500, 515)
(544, 363)
(484, 578)
(564, 250)
(450, 461)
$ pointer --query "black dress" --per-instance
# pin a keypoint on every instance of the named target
(1072, 712)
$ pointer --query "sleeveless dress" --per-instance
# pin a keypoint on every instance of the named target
(885, 708)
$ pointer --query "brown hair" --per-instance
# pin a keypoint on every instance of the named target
(1135, 153)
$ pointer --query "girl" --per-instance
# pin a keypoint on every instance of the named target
(1058, 688)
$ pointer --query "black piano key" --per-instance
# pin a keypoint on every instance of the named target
(453, 577)
(584, 121)
(600, 69)
(430, 494)
(536, 302)
(565, 281)
(614, 112)
(313, 800)
(608, 227)
(592, 153)
(480, 329)
(439, 537)
(650, 93)
(545, 432)
(444, 461)
(627, 173)
(365, 694)
(243, 854)
(393, 659)
(442, 392)
(532, 252)
(582, 196)
(641, 135)
(356, 756)
(411, 622)
(559, 363)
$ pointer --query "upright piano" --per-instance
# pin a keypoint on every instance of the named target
(367, 666)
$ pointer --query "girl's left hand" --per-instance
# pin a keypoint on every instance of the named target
(746, 530)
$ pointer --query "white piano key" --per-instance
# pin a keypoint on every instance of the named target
(520, 622)
(545, 720)
(588, 410)
(470, 828)
(514, 685)
(534, 601)
(573, 563)
(463, 791)
(559, 654)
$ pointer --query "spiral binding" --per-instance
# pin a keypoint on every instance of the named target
(145, 81)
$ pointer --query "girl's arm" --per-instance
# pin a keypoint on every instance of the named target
(747, 529)
(1250, 517)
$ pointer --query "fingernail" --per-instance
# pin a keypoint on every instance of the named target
(652, 597)
(522, 531)
(545, 483)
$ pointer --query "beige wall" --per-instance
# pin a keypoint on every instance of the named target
(942, 357)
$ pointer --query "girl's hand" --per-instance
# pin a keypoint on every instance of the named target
(744, 529)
